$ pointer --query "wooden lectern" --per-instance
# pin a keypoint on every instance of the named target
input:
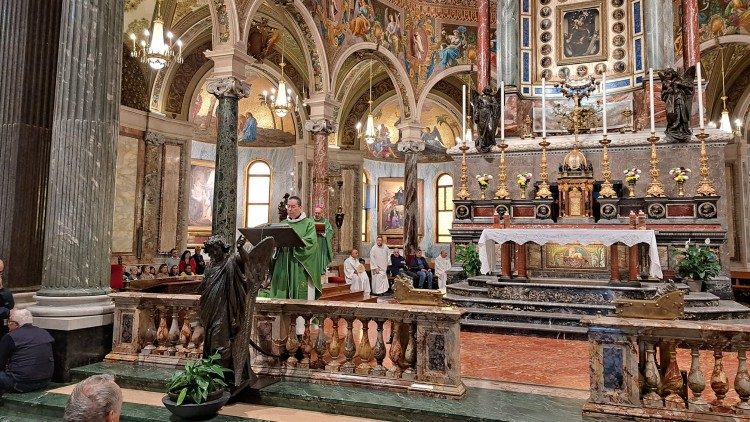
(283, 234)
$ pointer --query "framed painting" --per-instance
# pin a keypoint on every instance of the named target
(390, 209)
(200, 204)
(573, 256)
(580, 38)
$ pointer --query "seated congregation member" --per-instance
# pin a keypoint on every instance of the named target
(145, 273)
(422, 270)
(186, 261)
(355, 273)
(26, 355)
(187, 271)
(163, 271)
(200, 263)
(6, 302)
(97, 398)
(442, 265)
(173, 258)
(398, 263)
(174, 271)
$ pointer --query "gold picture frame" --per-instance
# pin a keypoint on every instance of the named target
(390, 207)
(583, 34)
(201, 196)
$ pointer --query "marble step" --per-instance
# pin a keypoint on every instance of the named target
(526, 305)
(332, 289)
(521, 328)
(701, 299)
(463, 288)
(725, 310)
(534, 317)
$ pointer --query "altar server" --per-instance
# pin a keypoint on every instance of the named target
(379, 257)
(356, 276)
(442, 265)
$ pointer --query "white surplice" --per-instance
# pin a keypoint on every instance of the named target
(356, 277)
(379, 257)
(442, 265)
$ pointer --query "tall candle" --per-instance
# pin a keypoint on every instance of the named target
(700, 93)
(544, 100)
(498, 73)
(463, 114)
(604, 104)
(502, 110)
(651, 96)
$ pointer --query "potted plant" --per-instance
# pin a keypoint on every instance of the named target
(469, 257)
(198, 391)
(697, 264)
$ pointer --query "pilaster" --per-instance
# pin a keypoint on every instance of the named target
(659, 17)
(508, 30)
(320, 130)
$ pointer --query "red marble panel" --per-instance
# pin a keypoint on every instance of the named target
(680, 210)
(484, 211)
(523, 211)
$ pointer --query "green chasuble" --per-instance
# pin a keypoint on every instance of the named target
(295, 268)
(325, 245)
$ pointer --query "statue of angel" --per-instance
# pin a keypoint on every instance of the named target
(486, 114)
(677, 94)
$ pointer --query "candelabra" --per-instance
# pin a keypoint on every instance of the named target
(502, 187)
(544, 192)
(463, 190)
(607, 191)
(655, 188)
(705, 186)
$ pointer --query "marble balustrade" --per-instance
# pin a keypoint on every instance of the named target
(423, 355)
(635, 373)
(157, 329)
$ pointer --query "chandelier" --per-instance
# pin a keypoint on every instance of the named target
(370, 133)
(724, 124)
(153, 49)
(283, 101)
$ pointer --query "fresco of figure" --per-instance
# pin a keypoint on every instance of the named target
(250, 129)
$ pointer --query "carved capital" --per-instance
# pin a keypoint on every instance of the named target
(228, 87)
(324, 126)
(410, 145)
(154, 139)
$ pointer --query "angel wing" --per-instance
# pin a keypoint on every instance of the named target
(689, 75)
(257, 263)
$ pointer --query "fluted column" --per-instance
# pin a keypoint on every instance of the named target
(483, 44)
(29, 32)
(82, 157)
(320, 130)
(228, 90)
(691, 48)
(508, 29)
(411, 148)
(659, 18)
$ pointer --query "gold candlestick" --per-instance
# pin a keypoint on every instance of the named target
(544, 192)
(705, 186)
(463, 190)
(607, 190)
(655, 188)
(502, 188)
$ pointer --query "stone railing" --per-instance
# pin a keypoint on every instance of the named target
(423, 355)
(153, 328)
(635, 370)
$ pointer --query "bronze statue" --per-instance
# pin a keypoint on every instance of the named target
(282, 207)
(485, 113)
(228, 292)
(677, 94)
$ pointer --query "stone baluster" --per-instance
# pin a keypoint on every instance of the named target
(696, 383)
(185, 333)
(306, 345)
(672, 381)
(149, 335)
(320, 345)
(174, 332)
(292, 343)
(365, 350)
(350, 349)
(396, 351)
(410, 354)
(652, 378)
(742, 385)
(719, 384)
(199, 334)
(379, 351)
(162, 333)
(334, 348)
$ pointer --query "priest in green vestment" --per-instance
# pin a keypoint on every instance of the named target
(296, 271)
(325, 239)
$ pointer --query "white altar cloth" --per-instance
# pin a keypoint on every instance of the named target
(562, 236)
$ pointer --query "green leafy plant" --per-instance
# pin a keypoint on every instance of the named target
(698, 262)
(198, 380)
(469, 256)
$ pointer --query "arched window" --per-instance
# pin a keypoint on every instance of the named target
(365, 208)
(444, 207)
(258, 194)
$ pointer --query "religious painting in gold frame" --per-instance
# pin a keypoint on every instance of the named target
(391, 197)
(573, 256)
(200, 202)
(582, 33)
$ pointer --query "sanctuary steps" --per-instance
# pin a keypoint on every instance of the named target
(342, 293)
(554, 307)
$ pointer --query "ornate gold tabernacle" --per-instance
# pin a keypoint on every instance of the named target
(406, 294)
(667, 306)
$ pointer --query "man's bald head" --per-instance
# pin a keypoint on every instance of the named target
(318, 212)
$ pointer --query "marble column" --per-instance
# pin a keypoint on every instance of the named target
(29, 32)
(320, 130)
(73, 304)
(228, 90)
(483, 44)
(659, 18)
(411, 148)
(691, 48)
(508, 30)
(152, 180)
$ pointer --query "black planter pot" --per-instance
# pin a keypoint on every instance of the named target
(193, 411)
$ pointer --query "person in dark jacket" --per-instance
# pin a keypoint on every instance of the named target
(6, 302)
(25, 355)
(200, 263)
(420, 267)
(398, 263)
